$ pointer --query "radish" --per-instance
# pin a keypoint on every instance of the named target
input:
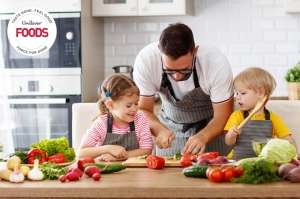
(72, 176)
(75, 170)
(91, 170)
(63, 178)
(96, 176)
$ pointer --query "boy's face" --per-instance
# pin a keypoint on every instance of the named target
(124, 110)
(245, 97)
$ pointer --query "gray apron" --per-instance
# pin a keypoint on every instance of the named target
(128, 141)
(187, 116)
(254, 129)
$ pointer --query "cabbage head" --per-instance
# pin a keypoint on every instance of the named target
(278, 150)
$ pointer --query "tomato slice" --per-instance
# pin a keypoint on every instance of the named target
(155, 162)
(206, 156)
(215, 154)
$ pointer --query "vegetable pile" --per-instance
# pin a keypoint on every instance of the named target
(54, 146)
(14, 172)
(257, 171)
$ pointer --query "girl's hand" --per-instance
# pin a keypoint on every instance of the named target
(233, 132)
(107, 157)
(117, 151)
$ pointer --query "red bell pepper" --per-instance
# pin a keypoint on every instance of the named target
(36, 154)
(155, 162)
(57, 158)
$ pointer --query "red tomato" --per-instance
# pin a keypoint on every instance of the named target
(190, 157)
(229, 173)
(207, 171)
(155, 162)
(82, 161)
(215, 154)
(206, 156)
(239, 171)
(215, 175)
(186, 160)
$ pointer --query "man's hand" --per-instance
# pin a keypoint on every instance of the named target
(164, 139)
(195, 145)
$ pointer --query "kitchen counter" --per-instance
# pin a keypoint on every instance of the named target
(146, 183)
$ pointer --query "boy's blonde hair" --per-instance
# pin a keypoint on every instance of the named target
(256, 78)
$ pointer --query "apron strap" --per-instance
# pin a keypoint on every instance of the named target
(165, 83)
(267, 114)
(109, 125)
(196, 80)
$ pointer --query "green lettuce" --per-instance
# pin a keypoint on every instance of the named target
(278, 150)
(54, 146)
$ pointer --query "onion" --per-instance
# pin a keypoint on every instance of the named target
(294, 175)
(284, 170)
(295, 162)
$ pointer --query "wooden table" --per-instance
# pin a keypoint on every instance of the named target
(146, 183)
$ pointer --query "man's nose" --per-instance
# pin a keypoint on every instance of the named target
(178, 75)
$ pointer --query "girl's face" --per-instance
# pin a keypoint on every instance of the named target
(245, 97)
(124, 110)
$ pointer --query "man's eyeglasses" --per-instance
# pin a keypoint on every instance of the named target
(182, 71)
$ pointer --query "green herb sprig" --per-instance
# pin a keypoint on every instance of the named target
(256, 172)
(52, 171)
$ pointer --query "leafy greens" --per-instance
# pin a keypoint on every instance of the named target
(54, 146)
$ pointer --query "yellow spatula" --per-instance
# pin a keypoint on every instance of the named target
(258, 106)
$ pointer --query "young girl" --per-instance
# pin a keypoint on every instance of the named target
(251, 85)
(120, 131)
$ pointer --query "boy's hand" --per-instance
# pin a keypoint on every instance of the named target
(233, 132)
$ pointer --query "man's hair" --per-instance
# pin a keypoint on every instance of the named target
(177, 40)
(256, 78)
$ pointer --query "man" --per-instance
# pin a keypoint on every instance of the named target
(195, 86)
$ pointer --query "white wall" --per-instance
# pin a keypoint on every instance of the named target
(249, 32)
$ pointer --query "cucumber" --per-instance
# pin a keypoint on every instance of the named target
(177, 156)
(111, 168)
(197, 171)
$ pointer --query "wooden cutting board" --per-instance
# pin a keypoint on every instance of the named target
(135, 162)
